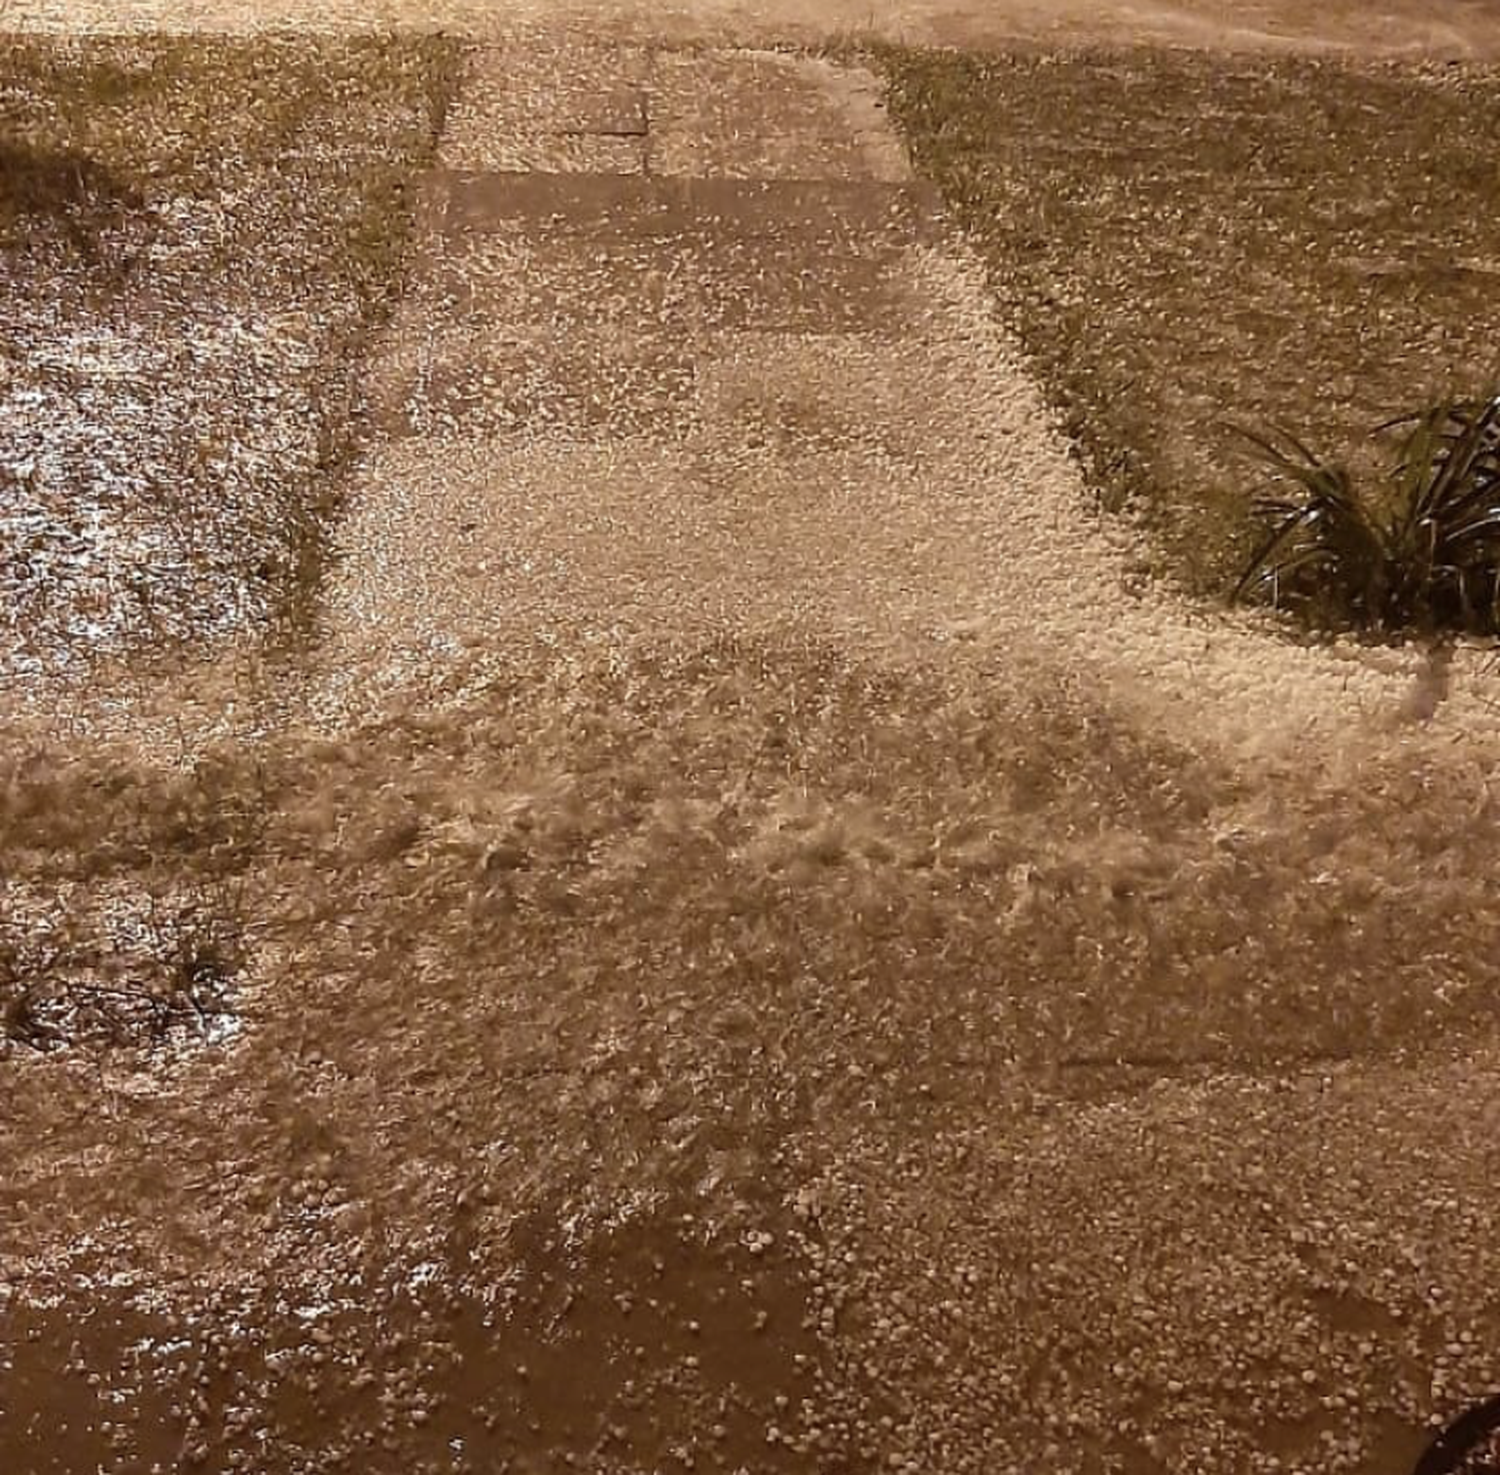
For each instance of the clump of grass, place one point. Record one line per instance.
(124, 914)
(1420, 553)
(138, 975)
(47, 193)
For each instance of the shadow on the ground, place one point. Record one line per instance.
(50, 196)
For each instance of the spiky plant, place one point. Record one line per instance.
(1422, 554)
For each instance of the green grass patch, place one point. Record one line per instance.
(197, 238)
(1184, 240)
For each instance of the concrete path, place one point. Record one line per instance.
(1123, 1099)
(688, 352)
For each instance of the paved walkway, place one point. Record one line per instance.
(687, 352)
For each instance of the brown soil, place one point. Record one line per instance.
(64, 194)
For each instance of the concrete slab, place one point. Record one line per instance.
(712, 383)
(551, 88)
(768, 115)
(551, 109)
(529, 379)
(797, 393)
(556, 153)
(633, 535)
(778, 285)
(608, 207)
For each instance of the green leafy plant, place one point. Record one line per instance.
(1421, 553)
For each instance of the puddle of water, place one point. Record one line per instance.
(89, 1385)
(648, 1347)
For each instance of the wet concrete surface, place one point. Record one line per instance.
(652, 1344)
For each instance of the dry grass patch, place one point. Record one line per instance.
(196, 238)
(1182, 238)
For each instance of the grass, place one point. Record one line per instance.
(130, 975)
(197, 237)
(1182, 238)
(126, 922)
(50, 197)
(321, 135)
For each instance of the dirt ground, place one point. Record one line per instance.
(752, 942)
